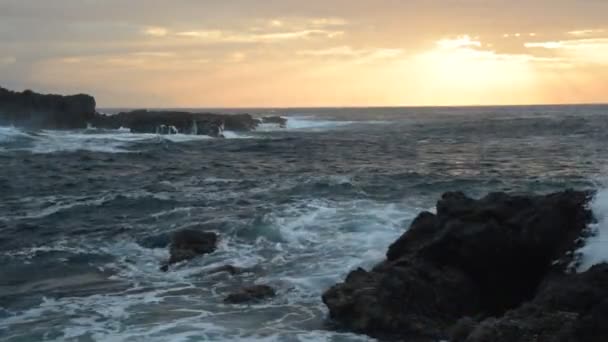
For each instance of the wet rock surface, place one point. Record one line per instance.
(190, 243)
(493, 259)
(250, 294)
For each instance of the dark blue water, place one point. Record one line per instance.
(302, 206)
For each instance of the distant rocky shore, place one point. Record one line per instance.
(37, 111)
(496, 269)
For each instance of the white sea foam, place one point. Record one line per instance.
(8, 134)
(312, 123)
(91, 139)
(116, 141)
(235, 135)
(595, 250)
(319, 242)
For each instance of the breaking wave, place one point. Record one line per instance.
(595, 250)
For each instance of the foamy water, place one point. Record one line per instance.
(595, 250)
(296, 207)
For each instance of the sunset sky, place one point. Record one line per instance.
(287, 53)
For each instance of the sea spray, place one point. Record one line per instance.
(595, 250)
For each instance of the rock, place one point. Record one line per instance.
(250, 294)
(476, 258)
(279, 120)
(189, 243)
(172, 122)
(567, 308)
(37, 111)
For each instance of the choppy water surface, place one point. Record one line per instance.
(302, 206)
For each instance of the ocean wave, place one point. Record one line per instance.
(93, 140)
(10, 134)
(44, 206)
(294, 248)
(312, 123)
(595, 250)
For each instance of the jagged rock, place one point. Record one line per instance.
(171, 122)
(36, 111)
(250, 294)
(31, 110)
(567, 308)
(189, 243)
(477, 258)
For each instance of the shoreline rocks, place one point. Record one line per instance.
(37, 111)
(31, 110)
(486, 259)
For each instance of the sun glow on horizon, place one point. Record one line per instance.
(207, 55)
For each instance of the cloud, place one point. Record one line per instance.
(160, 54)
(581, 33)
(325, 22)
(588, 50)
(236, 57)
(156, 31)
(544, 45)
(5, 61)
(219, 36)
(458, 42)
(357, 55)
(275, 23)
(71, 60)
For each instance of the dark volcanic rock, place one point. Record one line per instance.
(170, 122)
(37, 111)
(567, 308)
(189, 243)
(250, 294)
(478, 258)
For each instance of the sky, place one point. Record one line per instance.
(308, 53)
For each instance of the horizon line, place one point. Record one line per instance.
(363, 107)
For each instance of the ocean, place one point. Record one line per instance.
(301, 206)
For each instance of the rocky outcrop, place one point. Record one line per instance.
(567, 308)
(188, 244)
(250, 294)
(170, 122)
(37, 111)
(474, 258)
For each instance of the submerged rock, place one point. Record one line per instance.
(189, 243)
(476, 258)
(250, 294)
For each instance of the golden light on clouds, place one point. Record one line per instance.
(414, 53)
